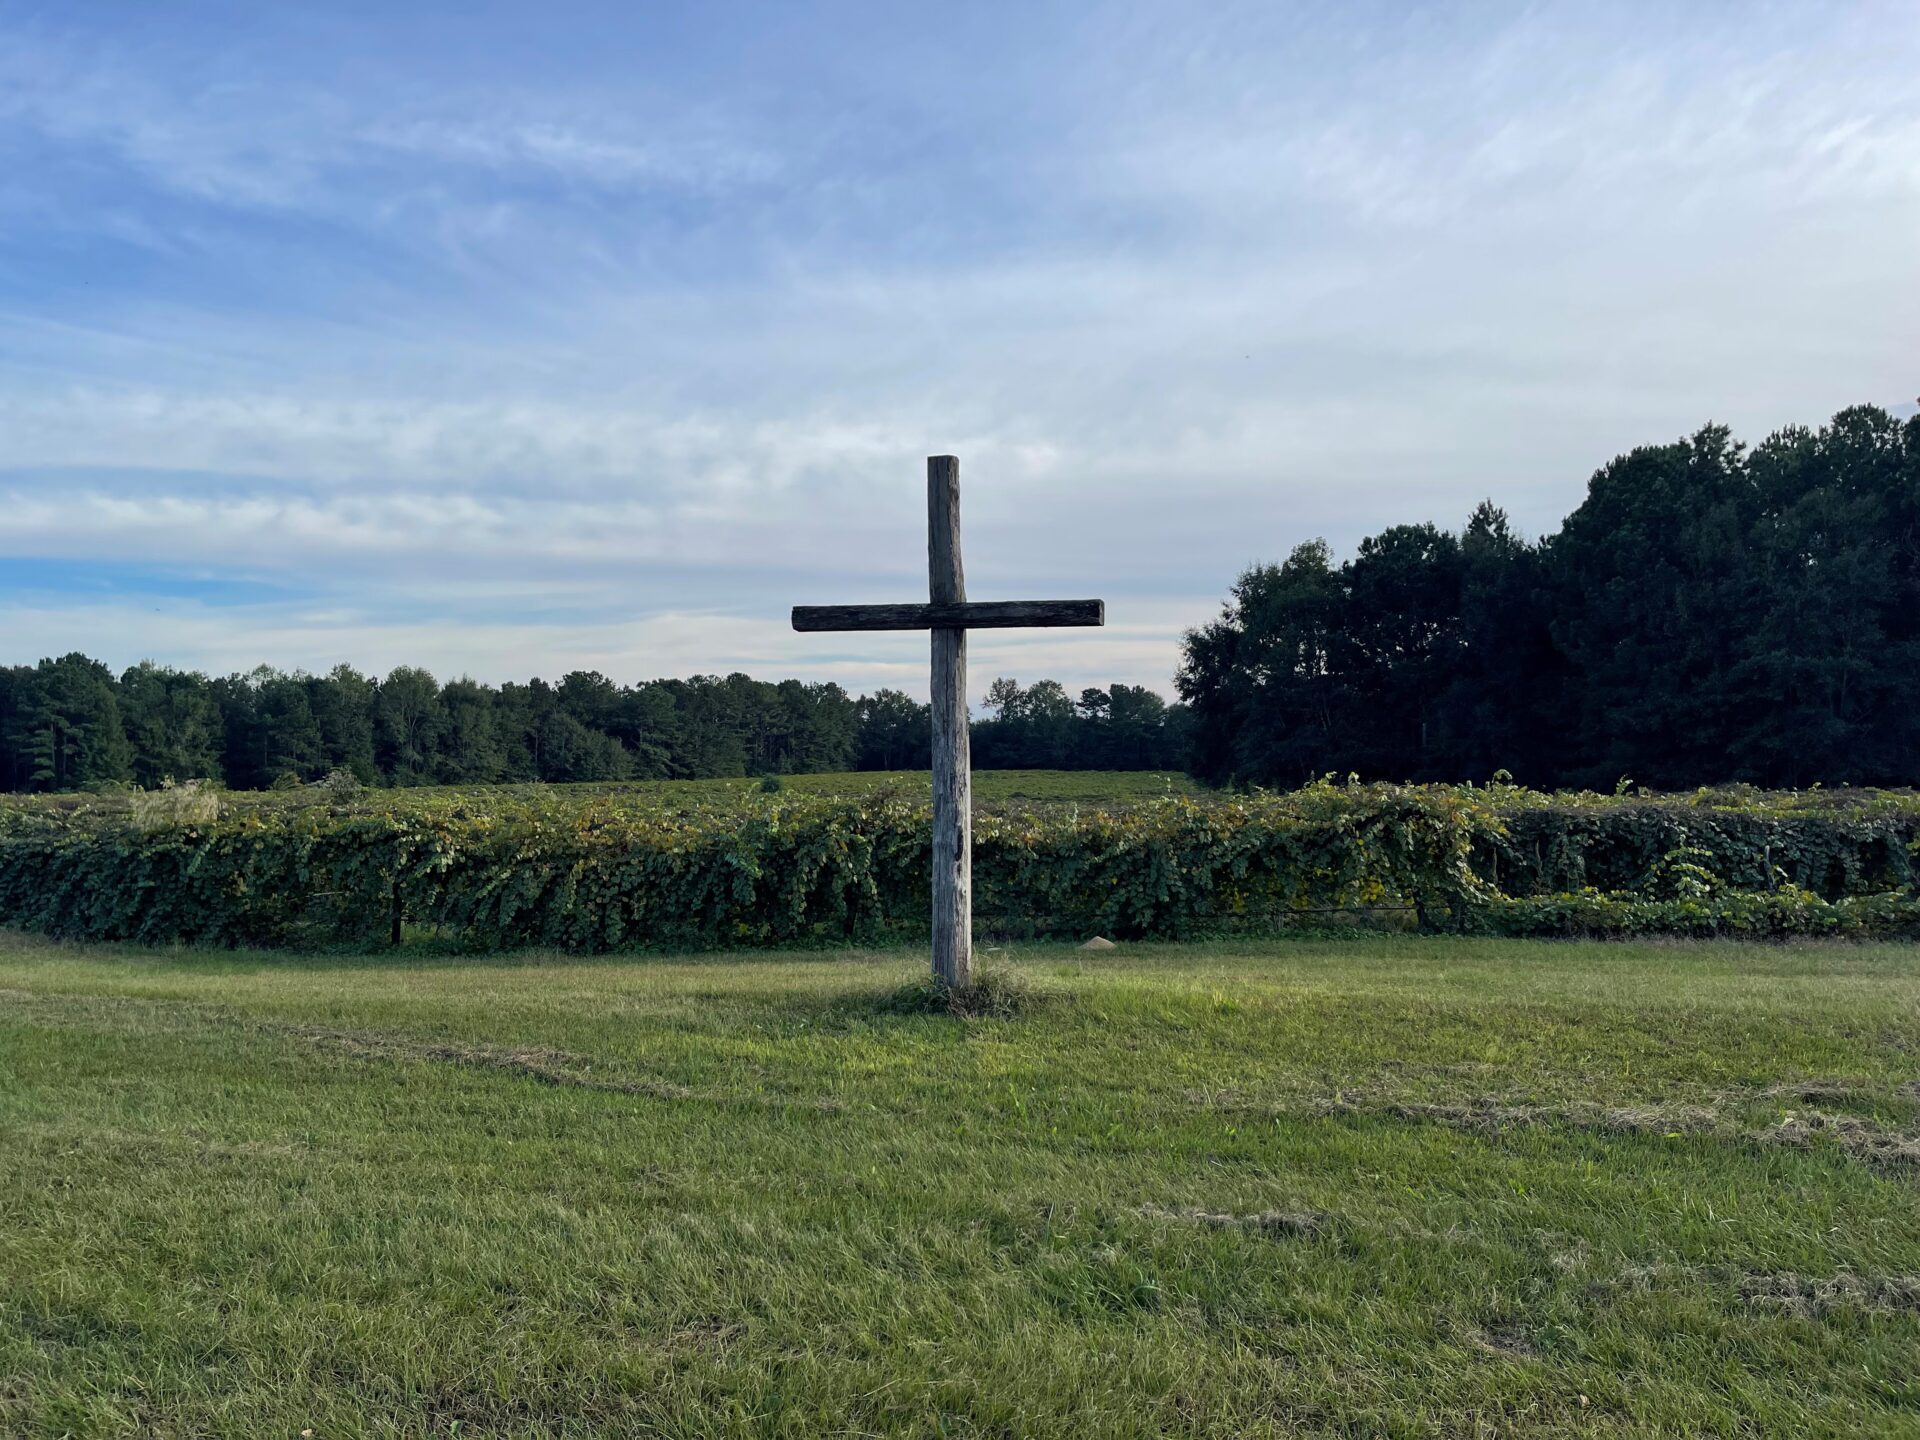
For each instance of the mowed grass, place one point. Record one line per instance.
(1110, 787)
(990, 788)
(1379, 1187)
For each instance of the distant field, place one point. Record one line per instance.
(989, 786)
(1112, 787)
(1399, 1187)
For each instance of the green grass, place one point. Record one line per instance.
(1117, 787)
(1394, 1187)
(990, 787)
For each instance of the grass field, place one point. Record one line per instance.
(1395, 1187)
(990, 788)
(1115, 787)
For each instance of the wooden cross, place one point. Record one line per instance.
(949, 616)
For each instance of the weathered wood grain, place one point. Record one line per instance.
(952, 759)
(962, 615)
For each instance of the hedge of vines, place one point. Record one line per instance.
(595, 872)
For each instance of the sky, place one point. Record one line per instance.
(513, 339)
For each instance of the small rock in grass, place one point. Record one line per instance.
(1099, 942)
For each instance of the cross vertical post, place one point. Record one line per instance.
(952, 760)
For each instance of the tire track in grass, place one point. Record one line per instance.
(546, 1066)
(1859, 1138)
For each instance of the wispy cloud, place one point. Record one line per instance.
(674, 156)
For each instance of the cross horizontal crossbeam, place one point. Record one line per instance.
(960, 615)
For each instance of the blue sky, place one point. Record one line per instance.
(514, 339)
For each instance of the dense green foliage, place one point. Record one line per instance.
(609, 867)
(1377, 1187)
(1709, 614)
(70, 724)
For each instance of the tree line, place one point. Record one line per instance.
(1709, 613)
(71, 724)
